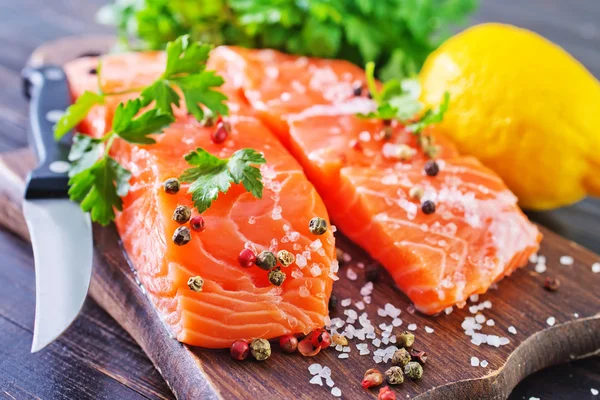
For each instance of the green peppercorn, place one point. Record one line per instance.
(195, 283)
(405, 339)
(266, 260)
(260, 349)
(394, 376)
(182, 235)
(285, 257)
(413, 370)
(416, 192)
(401, 357)
(182, 214)
(171, 185)
(276, 277)
(317, 226)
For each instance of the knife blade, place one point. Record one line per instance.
(61, 233)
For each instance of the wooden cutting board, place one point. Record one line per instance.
(519, 301)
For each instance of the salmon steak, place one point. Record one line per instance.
(235, 303)
(477, 234)
(301, 114)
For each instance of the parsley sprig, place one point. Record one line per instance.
(399, 100)
(97, 180)
(210, 175)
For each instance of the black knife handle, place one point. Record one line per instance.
(49, 95)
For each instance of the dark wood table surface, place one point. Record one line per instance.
(96, 358)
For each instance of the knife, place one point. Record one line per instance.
(61, 233)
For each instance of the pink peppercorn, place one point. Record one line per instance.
(246, 258)
(220, 134)
(288, 343)
(197, 223)
(239, 350)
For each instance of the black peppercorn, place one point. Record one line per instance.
(182, 235)
(317, 226)
(428, 207)
(93, 71)
(182, 214)
(171, 185)
(266, 260)
(432, 168)
(357, 89)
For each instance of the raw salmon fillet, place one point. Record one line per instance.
(235, 303)
(477, 235)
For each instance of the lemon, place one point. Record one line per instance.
(522, 105)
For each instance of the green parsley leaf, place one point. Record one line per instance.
(211, 175)
(186, 57)
(76, 113)
(136, 130)
(431, 116)
(163, 94)
(99, 189)
(198, 89)
(84, 153)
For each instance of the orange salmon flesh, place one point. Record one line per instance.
(300, 113)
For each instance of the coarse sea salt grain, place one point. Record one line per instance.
(551, 321)
(480, 318)
(594, 391)
(316, 380)
(576, 315)
(473, 309)
(336, 392)
(484, 363)
(396, 322)
(314, 368)
(448, 310)
(344, 355)
(412, 327)
(329, 382)
(350, 274)
(346, 302)
(490, 322)
(540, 268)
(596, 267)
(566, 260)
(428, 329)
(512, 330)
(474, 298)
(534, 398)
(474, 361)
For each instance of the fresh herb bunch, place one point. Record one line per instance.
(396, 34)
(97, 180)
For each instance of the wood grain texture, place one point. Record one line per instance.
(520, 301)
(25, 24)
